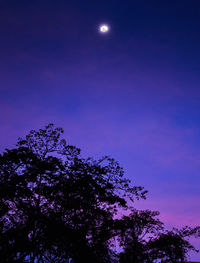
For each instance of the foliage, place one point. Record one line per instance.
(56, 205)
(145, 240)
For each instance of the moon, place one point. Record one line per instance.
(104, 28)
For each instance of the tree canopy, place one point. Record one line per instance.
(56, 205)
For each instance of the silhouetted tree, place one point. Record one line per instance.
(56, 204)
(137, 230)
(172, 246)
(145, 240)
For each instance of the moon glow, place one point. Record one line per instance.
(104, 28)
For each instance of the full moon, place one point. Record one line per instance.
(104, 28)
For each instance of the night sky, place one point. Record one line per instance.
(133, 93)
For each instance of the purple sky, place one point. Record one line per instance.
(133, 93)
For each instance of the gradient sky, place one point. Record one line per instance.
(133, 94)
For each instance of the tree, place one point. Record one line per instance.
(172, 245)
(56, 204)
(145, 239)
(137, 230)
